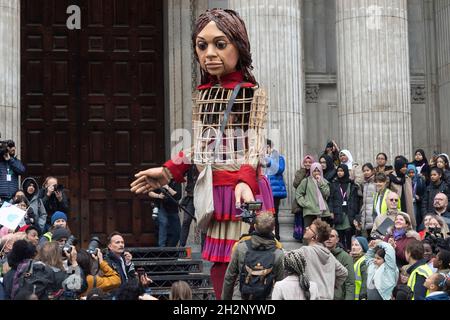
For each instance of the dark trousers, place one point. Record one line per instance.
(188, 203)
(276, 203)
(345, 237)
(169, 228)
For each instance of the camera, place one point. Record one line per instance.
(58, 187)
(69, 243)
(94, 244)
(249, 209)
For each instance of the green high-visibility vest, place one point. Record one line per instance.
(423, 270)
(358, 276)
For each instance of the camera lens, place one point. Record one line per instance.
(94, 244)
(69, 243)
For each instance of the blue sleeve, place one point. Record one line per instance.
(281, 165)
(419, 289)
(17, 166)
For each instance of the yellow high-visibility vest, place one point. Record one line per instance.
(423, 270)
(358, 276)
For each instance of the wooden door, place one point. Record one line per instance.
(92, 108)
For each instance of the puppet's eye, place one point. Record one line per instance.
(202, 45)
(221, 44)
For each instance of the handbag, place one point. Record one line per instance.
(203, 189)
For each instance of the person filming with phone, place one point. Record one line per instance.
(54, 198)
(10, 170)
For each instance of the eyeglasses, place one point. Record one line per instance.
(309, 228)
(393, 200)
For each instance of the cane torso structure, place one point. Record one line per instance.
(243, 139)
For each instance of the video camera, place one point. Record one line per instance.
(249, 209)
(94, 244)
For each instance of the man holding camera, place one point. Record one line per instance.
(10, 170)
(53, 198)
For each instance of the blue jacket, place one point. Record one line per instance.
(275, 166)
(438, 296)
(16, 169)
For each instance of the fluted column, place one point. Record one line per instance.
(10, 71)
(443, 53)
(275, 31)
(373, 78)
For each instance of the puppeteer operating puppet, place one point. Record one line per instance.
(229, 116)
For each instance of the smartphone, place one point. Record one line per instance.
(59, 188)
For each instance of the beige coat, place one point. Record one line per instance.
(407, 187)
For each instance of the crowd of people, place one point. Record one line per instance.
(375, 232)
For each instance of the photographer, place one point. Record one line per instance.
(168, 218)
(10, 170)
(106, 278)
(54, 198)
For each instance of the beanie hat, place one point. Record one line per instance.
(363, 243)
(60, 233)
(58, 215)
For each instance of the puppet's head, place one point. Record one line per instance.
(228, 22)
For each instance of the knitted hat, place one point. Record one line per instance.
(58, 215)
(363, 243)
(60, 233)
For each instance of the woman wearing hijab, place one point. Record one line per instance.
(301, 174)
(296, 286)
(354, 168)
(442, 163)
(329, 171)
(421, 164)
(312, 194)
(343, 204)
(401, 184)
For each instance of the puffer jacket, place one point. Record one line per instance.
(15, 167)
(275, 166)
(36, 204)
(230, 289)
(366, 212)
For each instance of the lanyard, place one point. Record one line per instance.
(344, 194)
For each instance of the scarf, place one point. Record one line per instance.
(398, 234)
(322, 205)
(349, 163)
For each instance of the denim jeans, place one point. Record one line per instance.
(169, 228)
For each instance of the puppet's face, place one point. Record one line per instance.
(217, 55)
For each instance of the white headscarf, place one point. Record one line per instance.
(349, 163)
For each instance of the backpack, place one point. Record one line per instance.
(33, 277)
(257, 279)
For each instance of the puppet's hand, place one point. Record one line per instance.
(243, 194)
(149, 180)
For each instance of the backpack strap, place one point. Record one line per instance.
(95, 281)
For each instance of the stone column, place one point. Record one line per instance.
(443, 53)
(373, 78)
(10, 71)
(276, 36)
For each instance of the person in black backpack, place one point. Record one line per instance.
(256, 263)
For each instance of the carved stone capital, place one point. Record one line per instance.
(312, 93)
(418, 94)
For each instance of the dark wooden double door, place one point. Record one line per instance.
(92, 108)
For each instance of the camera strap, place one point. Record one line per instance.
(226, 116)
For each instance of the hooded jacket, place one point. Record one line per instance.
(36, 204)
(385, 276)
(347, 290)
(230, 290)
(324, 269)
